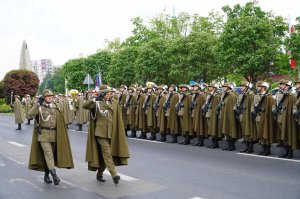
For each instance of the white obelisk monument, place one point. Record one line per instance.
(25, 63)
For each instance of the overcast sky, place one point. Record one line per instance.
(64, 29)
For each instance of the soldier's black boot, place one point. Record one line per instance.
(19, 127)
(246, 148)
(227, 145)
(212, 142)
(46, 177)
(198, 138)
(201, 143)
(28, 122)
(215, 144)
(79, 127)
(100, 178)
(231, 145)
(263, 148)
(153, 136)
(173, 139)
(187, 140)
(268, 150)
(285, 154)
(116, 179)
(133, 134)
(54, 176)
(290, 153)
(143, 135)
(250, 148)
(163, 137)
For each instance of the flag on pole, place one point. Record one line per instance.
(98, 81)
(293, 63)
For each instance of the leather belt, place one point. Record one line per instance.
(48, 128)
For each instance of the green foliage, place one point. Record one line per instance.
(4, 108)
(293, 43)
(2, 101)
(55, 82)
(1, 90)
(21, 82)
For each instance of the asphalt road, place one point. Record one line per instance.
(156, 170)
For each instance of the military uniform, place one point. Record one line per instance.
(172, 117)
(149, 112)
(140, 117)
(80, 112)
(160, 114)
(19, 113)
(122, 100)
(106, 143)
(296, 107)
(129, 108)
(28, 104)
(51, 136)
(243, 114)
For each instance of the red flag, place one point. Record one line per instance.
(293, 63)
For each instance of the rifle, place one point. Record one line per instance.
(193, 104)
(127, 103)
(206, 106)
(221, 103)
(156, 105)
(240, 107)
(146, 104)
(258, 108)
(167, 104)
(120, 98)
(279, 107)
(180, 104)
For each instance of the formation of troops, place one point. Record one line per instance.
(198, 111)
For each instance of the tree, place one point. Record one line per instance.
(55, 82)
(293, 43)
(21, 82)
(251, 40)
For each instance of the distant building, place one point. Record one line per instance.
(25, 63)
(42, 67)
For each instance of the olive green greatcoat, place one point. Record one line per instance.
(19, 112)
(80, 112)
(130, 113)
(247, 122)
(63, 154)
(213, 119)
(161, 118)
(185, 116)
(66, 111)
(28, 105)
(172, 117)
(150, 116)
(122, 101)
(118, 142)
(296, 107)
(265, 122)
(140, 117)
(228, 122)
(289, 134)
(199, 121)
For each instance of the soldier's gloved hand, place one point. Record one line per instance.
(40, 100)
(99, 97)
(296, 115)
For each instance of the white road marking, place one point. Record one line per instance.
(68, 183)
(16, 144)
(123, 177)
(291, 160)
(196, 198)
(2, 164)
(16, 161)
(144, 140)
(25, 181)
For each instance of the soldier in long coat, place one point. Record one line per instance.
(129, 107)
(242, 111)
(28, 104)
(106, 142)
(19, 113)
(122, 100)
(283, 113)
(199, 123)
(149, 112)
(228, 123)
(296, 108)
(261, 111)
(160, 113)
(182, 109)
(210, 113)
(80, 112)
(172, 118)
(50, 145)
(140, 117)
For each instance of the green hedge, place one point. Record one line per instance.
(4, 108)
(2, 101)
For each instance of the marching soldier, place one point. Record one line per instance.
(18, 110)
(106, 143)
(242, 112)
(172, 118)
(210, 113)
(130, 111)
(182, 110)
(50, 145)
(228, 123)
(140, 117)
(148, 111)
(261, 111)
(283, 113)
(28, 104)
(296, 108)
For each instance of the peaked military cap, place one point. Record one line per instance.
(47, 92)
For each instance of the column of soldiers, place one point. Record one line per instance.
(204, 111)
